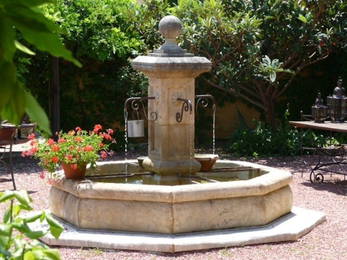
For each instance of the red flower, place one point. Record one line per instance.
(97, 128)
(78, 139)
(50, 141)
(55, 159)
(109, 131)
(88, 148)
(33, 150)
(78, 129)
(103, 155)
(31, 136)
(55, 148)
(101, 145)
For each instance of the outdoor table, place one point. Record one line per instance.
(324, 167)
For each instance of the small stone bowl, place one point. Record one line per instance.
(140, 160)
(206, 160)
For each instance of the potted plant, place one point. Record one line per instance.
(73, 150)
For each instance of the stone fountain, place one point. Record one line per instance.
(162, 217)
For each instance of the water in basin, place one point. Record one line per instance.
(143, 178)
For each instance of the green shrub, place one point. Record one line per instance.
(284, 140)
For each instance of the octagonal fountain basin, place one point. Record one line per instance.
(233, 194)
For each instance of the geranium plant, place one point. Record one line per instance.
(77, 147)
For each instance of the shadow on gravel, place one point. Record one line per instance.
(337, 187)
(22, 165)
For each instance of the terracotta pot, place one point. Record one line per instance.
(206, 160)
(74, 171)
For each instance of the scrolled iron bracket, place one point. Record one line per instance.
(135, 103)
(186, 106)
(204, 101)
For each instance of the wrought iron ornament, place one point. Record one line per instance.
(186, 106)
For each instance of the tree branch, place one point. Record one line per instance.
(300, 68)
(233, 92)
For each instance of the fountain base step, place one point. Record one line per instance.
(290, 227)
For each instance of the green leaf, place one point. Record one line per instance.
(14, 109)
(23, 48)
(302, 18)
(7, 47)
(23, 198)
(39, 31)
(47, 254)
(5, 229)
(6, 195)
(33, 217)
(272, 76)
(55, 228)
(34, 234)
(36, 113)
(8, 78)
(29, 255)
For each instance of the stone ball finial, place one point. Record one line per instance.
(170, 27)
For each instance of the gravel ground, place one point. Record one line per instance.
(327, 241)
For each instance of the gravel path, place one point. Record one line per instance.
(327, 241)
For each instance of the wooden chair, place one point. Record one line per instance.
(7, 135)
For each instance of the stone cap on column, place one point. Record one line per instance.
(170, 57)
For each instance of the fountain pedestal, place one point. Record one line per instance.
(171, 72)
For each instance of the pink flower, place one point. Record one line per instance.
(78, 129)
(110, 131)
(29, 152)
(42, 175)
(103, 155)
(31, 136)
(107, 136)
(69, 157)
(61, 140)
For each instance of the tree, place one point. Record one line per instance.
(258, 47)
(25, 18)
